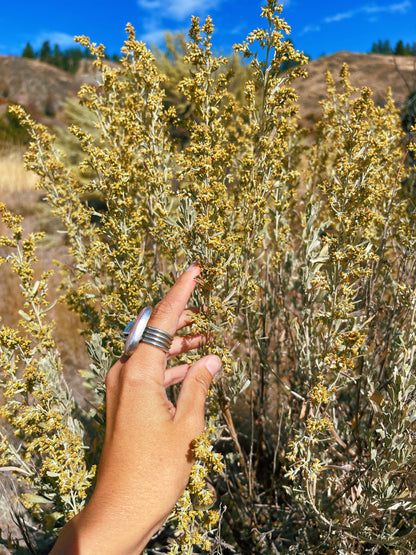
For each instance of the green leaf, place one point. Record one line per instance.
(24, 315)
(38, 499)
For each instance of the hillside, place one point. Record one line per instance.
(371, 70)
(42, 88)
(39, 87)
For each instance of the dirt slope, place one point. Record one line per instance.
(42, 88)
(372, 70)
(39, 87)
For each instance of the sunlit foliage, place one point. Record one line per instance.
(307, 248)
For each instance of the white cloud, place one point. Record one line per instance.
(154, 30)
(237, 30)
(55, 37)
(176, 9)
(154, 36)
(341, 16)
(157, 16)
(310, 29)
(401, 7)
(371, 9)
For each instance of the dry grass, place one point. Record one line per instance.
(18, 192)
(13, 177)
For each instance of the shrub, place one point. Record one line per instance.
(307, 247)
(11, 132)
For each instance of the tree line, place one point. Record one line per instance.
(68, 59)
(401, 49)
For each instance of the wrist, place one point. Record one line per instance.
(85, 535)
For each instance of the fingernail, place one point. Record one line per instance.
(193, 266)
(213, 364)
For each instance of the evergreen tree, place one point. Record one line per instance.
(377, 47)
(68, 60)
(86, 54)
(46, 52)
(28, 51)
(381, 47)
(400, 49)
(386, 48)
(73, 57)
(58, 59)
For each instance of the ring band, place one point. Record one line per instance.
(138, 331)
(134, 330)
(157, 338)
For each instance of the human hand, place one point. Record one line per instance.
(147, 455)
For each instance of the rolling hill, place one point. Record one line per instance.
(42, 89)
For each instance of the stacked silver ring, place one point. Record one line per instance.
(138, 331)
(158, 338)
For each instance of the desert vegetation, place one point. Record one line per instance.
(307, 247)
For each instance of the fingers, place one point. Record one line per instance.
(166, 316)
(175, 375)
(183, 343)
(191, 401)
(168, 311)
(186, 318)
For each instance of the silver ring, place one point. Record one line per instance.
(137, 331)
(157, 338)
(134, 330)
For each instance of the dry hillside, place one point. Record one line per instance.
(367, 70)
(42, 89)
(39, 87)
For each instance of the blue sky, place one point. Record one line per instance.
(318, 27)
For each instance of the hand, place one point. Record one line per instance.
(147, 456)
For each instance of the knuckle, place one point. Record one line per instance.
(202, 379)
(163, 309)
(130, 377)
(111, 379)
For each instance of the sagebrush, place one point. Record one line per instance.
(307, 248)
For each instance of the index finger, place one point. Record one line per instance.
(165, 316)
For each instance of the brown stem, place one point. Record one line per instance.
(225, 408)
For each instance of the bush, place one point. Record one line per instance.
(307, 247)
(11, 132)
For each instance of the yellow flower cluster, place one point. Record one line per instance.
(319, 394)
(50, 457)
(307, 248)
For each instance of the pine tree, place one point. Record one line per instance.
(58, 57)
(74, 57)
(400, 49)
(386, 47)
(45, 52)
(377, 47)
(28, 51)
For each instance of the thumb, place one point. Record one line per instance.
(191, 401)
